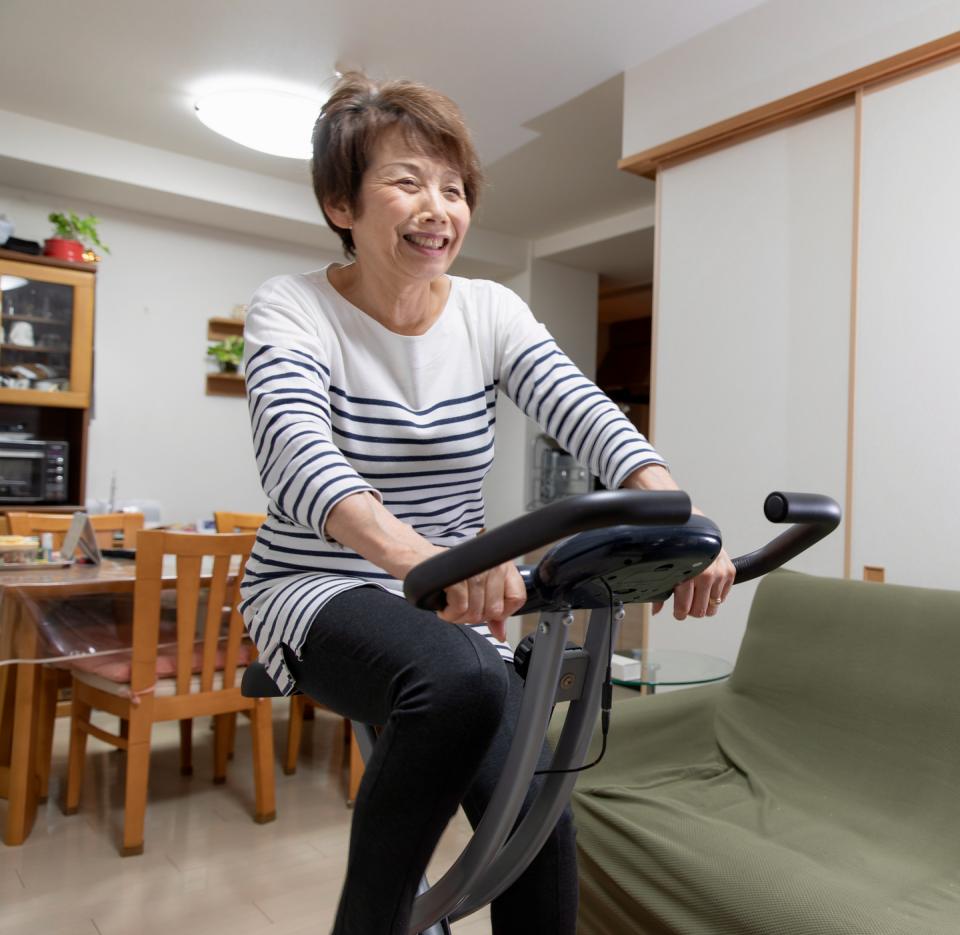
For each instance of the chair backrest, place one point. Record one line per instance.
(189, 550)
(104, 524)
(239, 522)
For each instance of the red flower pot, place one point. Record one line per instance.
(64, 249)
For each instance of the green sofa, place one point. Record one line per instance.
(817, 792)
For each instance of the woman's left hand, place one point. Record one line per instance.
(700, 596)
(703, 595)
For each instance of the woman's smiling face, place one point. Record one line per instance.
(413, 214)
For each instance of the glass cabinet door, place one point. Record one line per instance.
(46, 333)
(36, 334)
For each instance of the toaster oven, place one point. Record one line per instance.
(33, 471)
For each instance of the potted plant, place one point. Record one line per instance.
(75, 238)
(229, 353)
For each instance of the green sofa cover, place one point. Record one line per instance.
(817, 792)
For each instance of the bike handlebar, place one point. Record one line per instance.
(425, 584)
(816, 516)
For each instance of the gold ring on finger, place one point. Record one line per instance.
(716, 600)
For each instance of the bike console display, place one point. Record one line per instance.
(639, 564)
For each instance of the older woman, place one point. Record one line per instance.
(372, 391)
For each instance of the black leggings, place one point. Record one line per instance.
(448, 705)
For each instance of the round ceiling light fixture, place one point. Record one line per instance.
(269, 121)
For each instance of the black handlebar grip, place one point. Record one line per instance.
(802, 508)
(815, 516)
(425, 584)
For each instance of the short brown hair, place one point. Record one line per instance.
(354, 118)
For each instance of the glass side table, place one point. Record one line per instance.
(674, 667)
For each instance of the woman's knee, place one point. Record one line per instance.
(467, 682)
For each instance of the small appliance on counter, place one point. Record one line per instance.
(31, 470)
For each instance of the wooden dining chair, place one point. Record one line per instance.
(104, 524)
(200, 677)
(238, 522)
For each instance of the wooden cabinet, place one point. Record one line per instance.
(47, 328)
(46, 354)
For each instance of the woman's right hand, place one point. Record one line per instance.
(488, 598)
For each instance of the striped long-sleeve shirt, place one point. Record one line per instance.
(339, 404)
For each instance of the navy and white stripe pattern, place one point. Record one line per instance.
(339, 404)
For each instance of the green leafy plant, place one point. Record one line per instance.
(73, 227)
(229, 352)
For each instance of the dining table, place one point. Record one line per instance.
(23, 650)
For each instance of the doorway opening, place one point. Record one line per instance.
(624, 318)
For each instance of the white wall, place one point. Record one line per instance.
(752, 343)
(776, 49)
(906, 492)
(153, 423)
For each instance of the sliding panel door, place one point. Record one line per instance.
(906, 477)
(753, 342)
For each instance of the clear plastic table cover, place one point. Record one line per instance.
(675, 667)
(87, 610)
(99, 624)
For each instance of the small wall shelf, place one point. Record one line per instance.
(226, 384)
(220, 328)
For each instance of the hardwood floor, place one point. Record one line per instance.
(207, 869)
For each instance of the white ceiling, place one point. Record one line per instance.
(133, 70)
(567, 176)
(626, 260)
(540, 82)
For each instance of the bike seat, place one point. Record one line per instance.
(256, 682)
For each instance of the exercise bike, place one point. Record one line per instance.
(623, 546)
